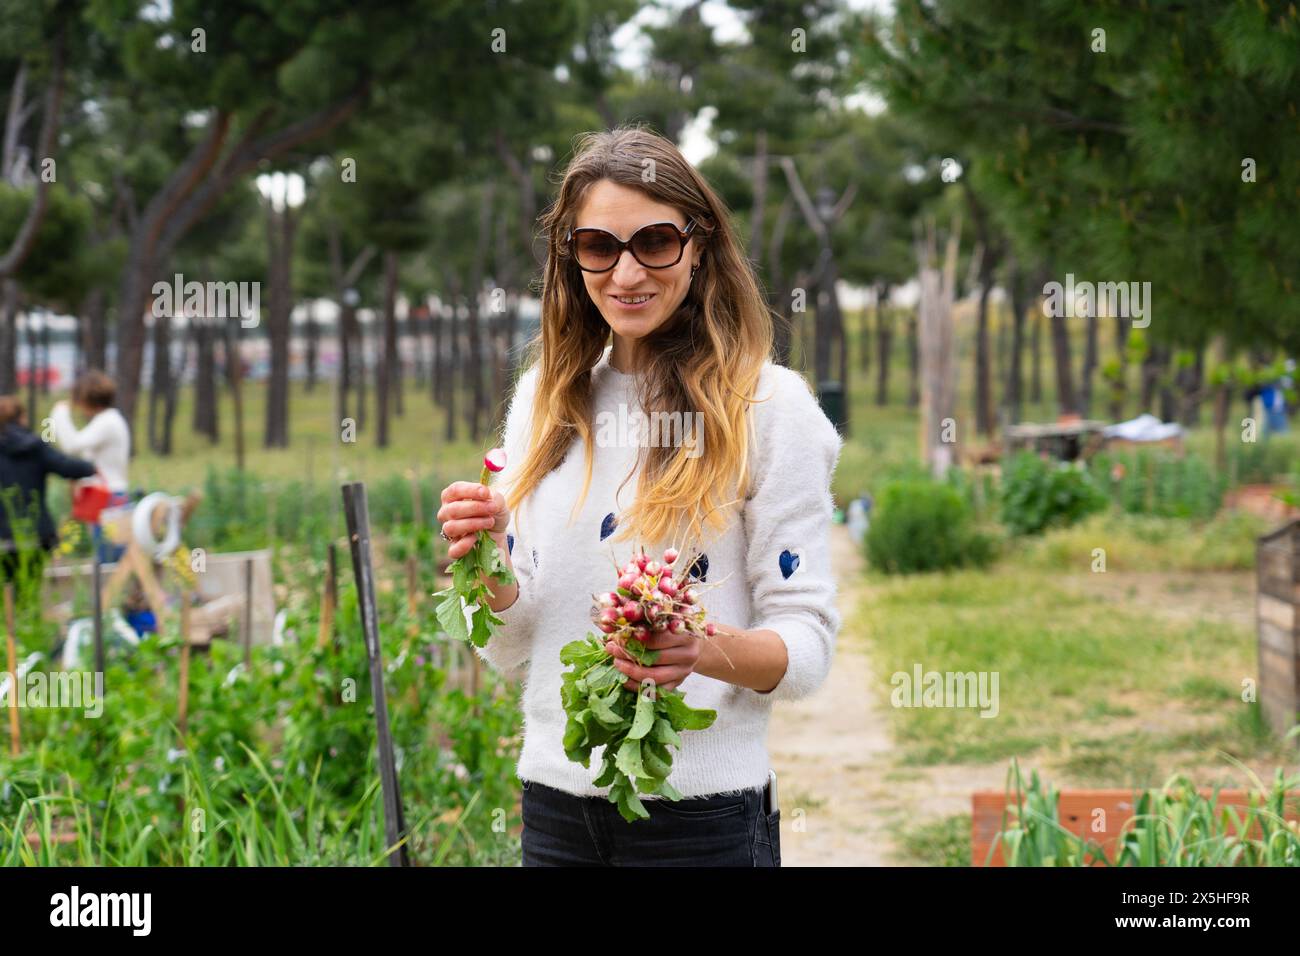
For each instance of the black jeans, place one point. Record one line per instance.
(561, 829)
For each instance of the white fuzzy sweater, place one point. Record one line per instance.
(774, 559)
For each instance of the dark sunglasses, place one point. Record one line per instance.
(656, 246)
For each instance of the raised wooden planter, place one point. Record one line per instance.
(1076, 811)
(1277, 563)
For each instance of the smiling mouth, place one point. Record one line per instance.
(634, 299)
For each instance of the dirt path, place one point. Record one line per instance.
(832, 750)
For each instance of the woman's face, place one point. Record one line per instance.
(622, 211)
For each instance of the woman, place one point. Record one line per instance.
(651, 264)
(106, 440)
(25, 461)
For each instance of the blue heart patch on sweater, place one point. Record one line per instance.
(607, 526)
(789, 563)
(700, 568)
(510, 543)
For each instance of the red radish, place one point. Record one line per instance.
(627, 582)
(631, 613)
(495, 460)
(668, 586)
(670, 556)
(710, 629)
(641, 561)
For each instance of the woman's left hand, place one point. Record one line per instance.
(678, 655)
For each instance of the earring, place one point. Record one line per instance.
(694, 269)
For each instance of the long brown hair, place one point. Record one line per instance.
(706, 357)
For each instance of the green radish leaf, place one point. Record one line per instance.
(656, 766)
(664, 733)
(452, 618)
(645, 717)
(630, 806)
(685, 717)
(628, 759)
(604, 713)
(607, 773)
(669, 791)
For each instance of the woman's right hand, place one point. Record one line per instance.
(468, 508)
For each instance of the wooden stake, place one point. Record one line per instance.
(326, 634)
(185, 666)
(358, 517)
(12, 652)
(97, 605)
(412, 592)
(248, 613)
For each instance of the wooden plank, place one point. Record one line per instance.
(1276, 570)
(1077, 813)
(1279, 695)
(1277, 612)
(1275, 638)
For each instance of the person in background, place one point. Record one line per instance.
(25, 461)
(859, 517)
(106, 441)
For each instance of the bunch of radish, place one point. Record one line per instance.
(636, 728)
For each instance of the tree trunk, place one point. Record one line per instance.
(93, 328)
(884, 349)
(235, 376)
(778, 291)
(1119, 389)
(983, 382)
(1089, 366)
(280, 226)
(1190, 380)
(313, 346)
(1222, 394)
(1036, 356)
(160, 381)
(1013, 400)
(453, 356)
(913, 363)
(437, 386)
(1067, 399)
(205, 381)
(8, 336)
(388, 352)
(33, 415)
(1150, 376)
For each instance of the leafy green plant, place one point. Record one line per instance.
(1039, 494)
(1176, 825)
(924, 525)
(1159, 483)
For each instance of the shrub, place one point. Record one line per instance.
(1039, 494)
(923, 525)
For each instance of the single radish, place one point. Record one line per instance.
(493, 462)
(670, 556)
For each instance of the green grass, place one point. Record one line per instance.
(942, 842)
(1069, 661)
